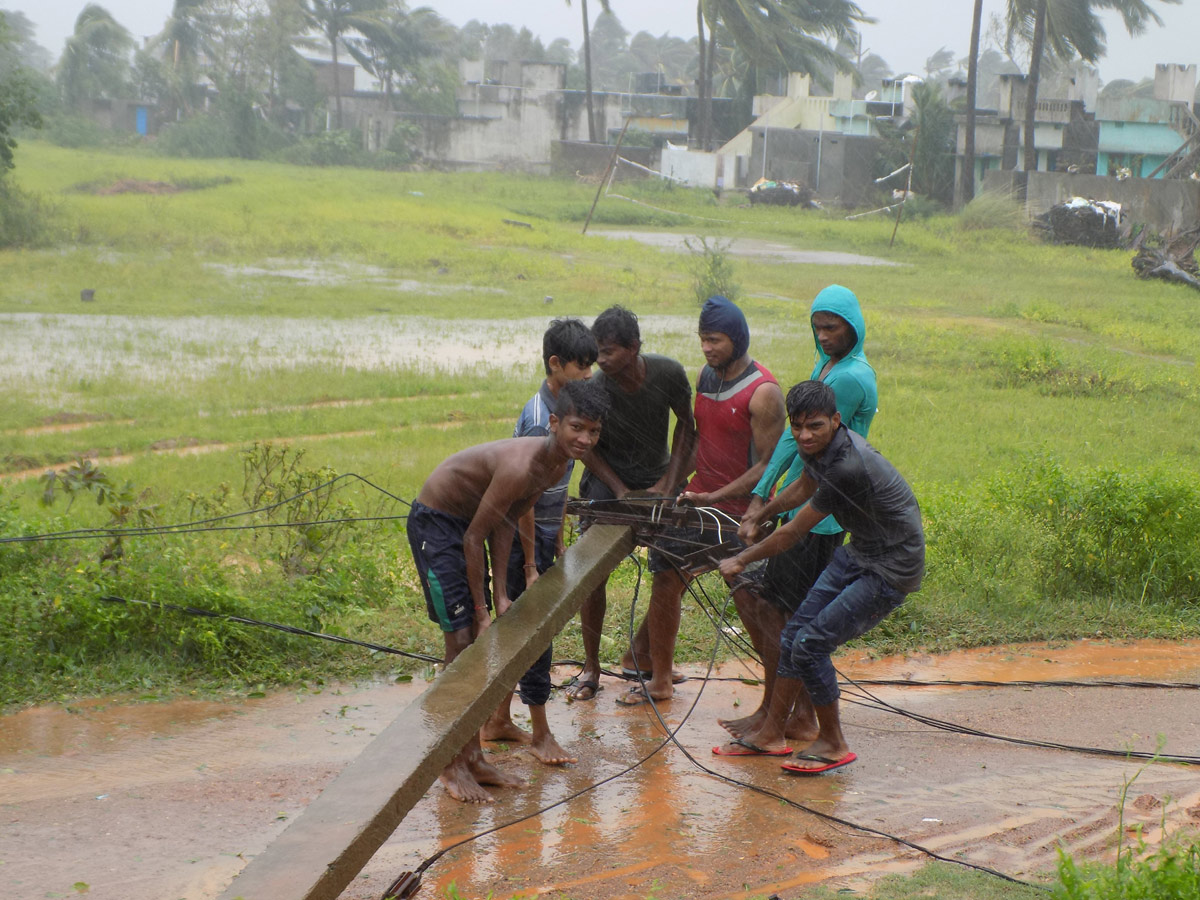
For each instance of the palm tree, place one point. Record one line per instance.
(787, 35)
(1067, 28)
(333, 18)
(587, 66)
(183, 39)
(399, 42)
(95, 60)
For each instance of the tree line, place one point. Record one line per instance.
(242, 68)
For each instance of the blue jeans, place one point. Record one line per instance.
(845, 602)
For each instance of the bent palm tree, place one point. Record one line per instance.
(333, 18)
(785, 34)
(95, 60)
(1067, 28)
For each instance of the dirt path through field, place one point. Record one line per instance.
(156, 801)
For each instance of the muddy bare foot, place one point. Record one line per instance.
(548, 750)
(746, 724)
(504, 729)
(459, 783)
(485, 773)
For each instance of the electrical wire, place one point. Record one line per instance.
(943, 725)
(828, 817)
(288, 629)
(209, 524)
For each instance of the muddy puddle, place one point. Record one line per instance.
(751, 248)
(163, 800)
(158, 349)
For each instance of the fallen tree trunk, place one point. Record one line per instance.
(1168, 258)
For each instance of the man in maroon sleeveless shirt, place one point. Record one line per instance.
(739, 418)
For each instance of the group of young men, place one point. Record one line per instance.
(800, 590)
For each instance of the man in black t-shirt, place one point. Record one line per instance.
(883, 563)
(633, 454)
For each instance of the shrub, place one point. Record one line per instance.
(712, 269)
(24, 218)
(328, 148)
(76, 131)
(202, 136)
(1109, 531)
(993, 209)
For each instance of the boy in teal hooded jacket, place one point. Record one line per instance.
(839, 333)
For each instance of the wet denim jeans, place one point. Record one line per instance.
(845, 602)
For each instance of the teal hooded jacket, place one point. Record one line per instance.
(853, 383)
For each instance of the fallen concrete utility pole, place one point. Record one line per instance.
(322, 851)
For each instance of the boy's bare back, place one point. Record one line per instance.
(513, 472)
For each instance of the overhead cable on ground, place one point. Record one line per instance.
(288, 629)
(210, 524)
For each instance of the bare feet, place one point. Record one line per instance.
(461, 784)
(802, 729)
(547, 749)
(502, 728)
(746, 724)
(485, 773)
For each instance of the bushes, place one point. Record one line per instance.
(1003, 552)
(344, 148)
(25, 219)
(992, 209)
(1110, 532)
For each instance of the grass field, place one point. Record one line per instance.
(1041, 400)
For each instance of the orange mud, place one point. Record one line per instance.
(145, 801)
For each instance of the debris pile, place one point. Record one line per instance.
(1169, 258)
(783, 193)
(1085, 223)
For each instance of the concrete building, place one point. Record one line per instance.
(1155, 137)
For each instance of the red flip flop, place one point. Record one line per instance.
(829, 764)
(749, 749)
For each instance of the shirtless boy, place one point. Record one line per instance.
(568, 352)
(476, 496)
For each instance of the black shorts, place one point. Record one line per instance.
(791, 574)
(436, 539)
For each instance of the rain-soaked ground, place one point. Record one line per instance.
(155, 801)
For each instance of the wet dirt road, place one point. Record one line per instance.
(161, 801)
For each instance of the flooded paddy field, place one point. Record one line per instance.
(145, 801)
(40, 348)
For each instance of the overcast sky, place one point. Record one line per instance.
(907, 32)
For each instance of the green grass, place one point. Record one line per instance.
(1009, 372)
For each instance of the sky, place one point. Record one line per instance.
(906, 34)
